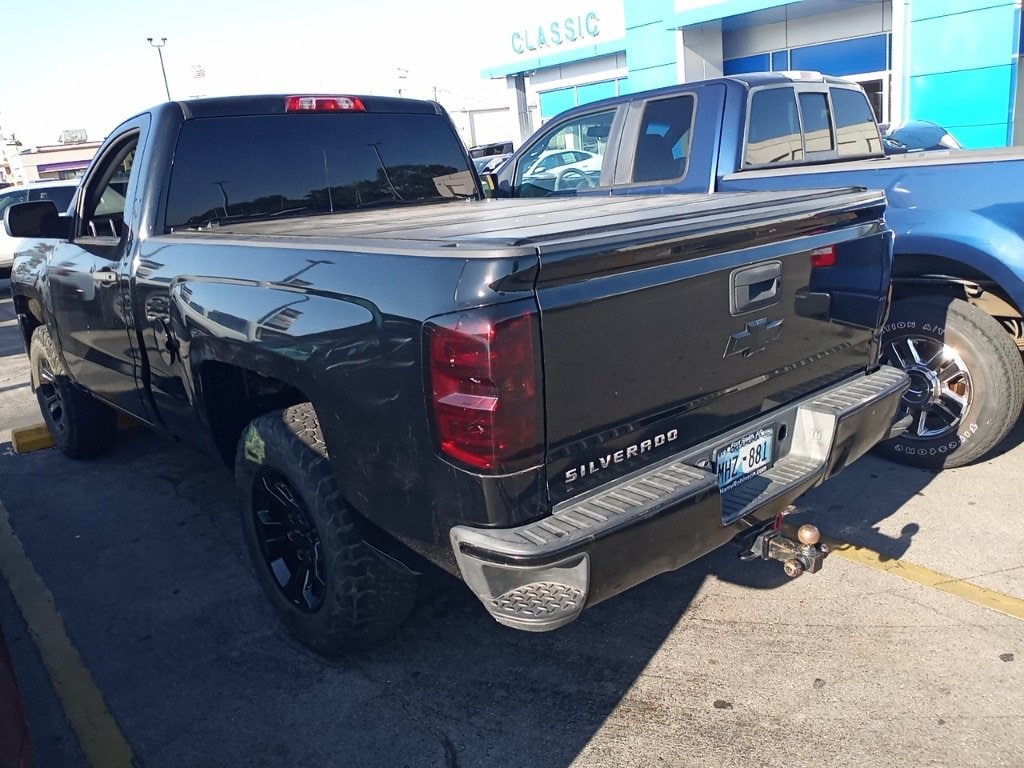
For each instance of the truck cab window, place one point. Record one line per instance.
(566, 158)
(816, 121)
(664, 142)
(856, 129)
(773, 134)
(106, 192)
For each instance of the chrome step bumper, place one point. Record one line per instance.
(541, 575)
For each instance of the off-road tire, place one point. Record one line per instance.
(363, 597)
(963, 404)
(81, 426)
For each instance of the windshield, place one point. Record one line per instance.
(253, 167)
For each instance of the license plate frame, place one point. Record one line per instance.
(747, 456)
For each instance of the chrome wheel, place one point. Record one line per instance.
(941, 389)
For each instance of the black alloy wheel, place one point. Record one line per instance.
(333, 590)
(289, 541)
(81, 425)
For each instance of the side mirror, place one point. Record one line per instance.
(39, 218)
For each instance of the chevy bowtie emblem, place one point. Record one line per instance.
(754, 338)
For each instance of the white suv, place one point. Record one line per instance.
(61, 192)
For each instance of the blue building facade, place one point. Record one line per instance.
(955, 62)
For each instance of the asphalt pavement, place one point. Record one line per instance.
(141, 638)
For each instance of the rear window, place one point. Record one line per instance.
(856, 129)
(773, 135)
(817, 125)
(61, 196)
(233, 168)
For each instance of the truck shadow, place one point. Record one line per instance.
(454, 686)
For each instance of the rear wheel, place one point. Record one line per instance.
(967, 381)
(327, 584)
(81, 426)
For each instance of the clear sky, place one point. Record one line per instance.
(72, 65)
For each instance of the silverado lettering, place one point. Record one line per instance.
(629, 452)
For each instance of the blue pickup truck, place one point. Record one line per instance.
(956, 322)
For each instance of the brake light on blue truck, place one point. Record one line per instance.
(823, 257)
(484, 380)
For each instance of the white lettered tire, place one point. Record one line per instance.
(967, 381)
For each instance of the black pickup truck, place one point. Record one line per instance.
(554, 400)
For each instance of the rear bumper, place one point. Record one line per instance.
(541, 575)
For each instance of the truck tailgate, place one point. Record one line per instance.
(656, 339)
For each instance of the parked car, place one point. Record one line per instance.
(916, 136)
(60, 192)
(489, 150)
(490, 163)
(564, 169)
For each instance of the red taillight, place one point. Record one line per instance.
(823, 257)
(484, 376)
(323, 104)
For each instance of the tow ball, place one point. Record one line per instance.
(803, 555)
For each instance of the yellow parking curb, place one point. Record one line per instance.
(38, 437)
(28, 439)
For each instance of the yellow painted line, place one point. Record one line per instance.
(38, 438)
(986, 598)
(103, 744)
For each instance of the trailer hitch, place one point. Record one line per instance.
(804, 554)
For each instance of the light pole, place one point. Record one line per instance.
(159, 46)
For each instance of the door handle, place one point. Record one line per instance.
(754, 287)
(105, 275)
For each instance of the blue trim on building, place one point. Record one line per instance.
(973, 102)
(961, 71)
(845, 57)
(963, 68)
(720, 10)
(555, 59)
(560, 99)
(969, 40)
(759, 62)
(651, 43)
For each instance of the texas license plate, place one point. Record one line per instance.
(744, 458)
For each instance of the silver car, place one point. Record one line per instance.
(60, 192)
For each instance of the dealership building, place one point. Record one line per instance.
(953, 62)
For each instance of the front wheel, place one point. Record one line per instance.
(81, 426)
(967, 381)
(327, 584)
